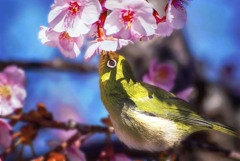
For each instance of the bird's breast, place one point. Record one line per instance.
(144, 132)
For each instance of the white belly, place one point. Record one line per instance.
(143, 132)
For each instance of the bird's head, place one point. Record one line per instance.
(113, 67)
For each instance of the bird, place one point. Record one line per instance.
(145, 117)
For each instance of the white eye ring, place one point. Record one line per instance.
(111, 63)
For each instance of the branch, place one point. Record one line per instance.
(70, 125)
(61, 147)
(56, 64)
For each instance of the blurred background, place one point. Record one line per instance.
(205, 52)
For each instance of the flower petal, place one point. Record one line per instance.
(176, 17)
(70, 47)
(56, 11)
(18, 96)
(48, 36)
(91, 12)
(164, 29)
(109, 45)
(112, 24)
(148, 27)
(116, 4)
(138, 28)
(122, 42)
(15, 75)
(59, 24)
(78, 28)
(91, 50)
(5, 108)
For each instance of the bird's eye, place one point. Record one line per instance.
(111, 63)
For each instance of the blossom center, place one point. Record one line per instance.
(5, 91)
(66, 42)
(65, 36)
(74, 7)
(161, 75)
(127, 17)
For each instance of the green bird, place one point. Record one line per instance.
(146, 117)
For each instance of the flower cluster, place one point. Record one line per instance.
(108, 24)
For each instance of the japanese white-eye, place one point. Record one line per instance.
(146, 117)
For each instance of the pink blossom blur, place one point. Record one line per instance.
(5, 136)
(161, 75)
(12, 90)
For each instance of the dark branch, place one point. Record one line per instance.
(56, 65)
(70, 125)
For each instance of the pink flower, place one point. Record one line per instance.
(130, 19)
(69, 46)
(161, 75)
(74, 16)
(5, 136)
(175, 18)
(106, 44)
(12, 91)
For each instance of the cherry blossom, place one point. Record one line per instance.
(5, 136)
(69, 46)
(175, 18)
(74, 16)
(161, 75)
(106, 44)
(12, 91)
(121, 22)
(130, 19)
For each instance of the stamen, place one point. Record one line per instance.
(65, 36)
(162, 74)
(5, 91)
(74, 7)
(128, 17)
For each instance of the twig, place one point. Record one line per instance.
(62, 146)
(70, 125)
(55, 64)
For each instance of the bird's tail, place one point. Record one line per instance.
(224, 129)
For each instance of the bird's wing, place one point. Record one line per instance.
(159, 102)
